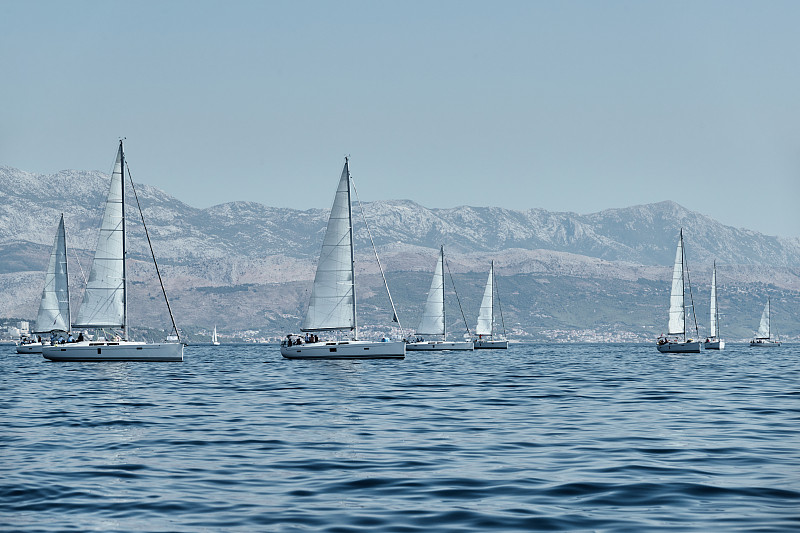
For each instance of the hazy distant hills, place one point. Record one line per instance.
(244, 265)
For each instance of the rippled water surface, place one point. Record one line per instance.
(538, 438)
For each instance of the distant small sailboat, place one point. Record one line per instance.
(713, 342)
(332, 306)
(53, 316)
(763, 336)
(485, 326)
(214, 340)
(105, 299)
(434, 317)
(675, 341)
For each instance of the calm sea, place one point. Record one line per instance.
(538, 438)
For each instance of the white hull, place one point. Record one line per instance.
(435, 346)
(714, 345)
(491, 345)
(114, 351)
(35, 347)
(215, 344)
(345, 350)
(764, 343)
(679, 347)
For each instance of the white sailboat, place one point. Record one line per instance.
(214, 340)
(675, 341)
(763, 336)
(105, 300)
(53, 314)
(332, 306)
(485, 326)
(434, 317)
(713, 342)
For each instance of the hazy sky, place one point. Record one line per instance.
(568, 105)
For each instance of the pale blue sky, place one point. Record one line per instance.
(569, 106)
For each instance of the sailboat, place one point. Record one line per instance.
(485, 326)
(53, 314)
(675, 341)
(763, 336)
(713, 342)
(214, 340)
(105, 299)
(332, 306)
(434, 318)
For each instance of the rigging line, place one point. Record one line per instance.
(77, 260)
(691, 298)
(499, 305)
(396, 318)
(452, 282)
(152, 253)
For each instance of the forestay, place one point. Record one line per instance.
(103, 303)
(54, 306)
(332, 303)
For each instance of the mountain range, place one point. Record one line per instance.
(247, 266)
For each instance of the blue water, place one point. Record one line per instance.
(538, 438)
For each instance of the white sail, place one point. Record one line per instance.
(333, 297)
(763, 327)
(714, 302)
(486, 313)
(676, 301)
(432, 322)
(54, 306)
(214, 335)
(103, 303)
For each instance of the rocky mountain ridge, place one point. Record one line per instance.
(643, 234)
(246, 264)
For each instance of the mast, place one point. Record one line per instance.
(769, 321)
(124, 251)
(66, 275)
(491, 323)
(444, 308)
(352, 253)
(714, 314)
(683, 267)
(491, 302)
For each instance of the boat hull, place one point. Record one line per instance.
(764, 344)
(714, 345)
(111, 351)
(491, 345)
(439, 346)
(679, 347)
(344, 350)
(35, 347)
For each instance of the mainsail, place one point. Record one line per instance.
(714, 301)
(486, 314)
(333, 296)
(677, 311)
(433, 319)
(103, 303)
(54, 306)
(763, 327)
